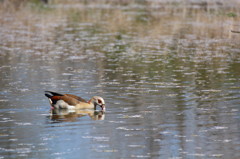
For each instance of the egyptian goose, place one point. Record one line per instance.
(69, 101)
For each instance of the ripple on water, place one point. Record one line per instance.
(169, 96)
(23, 123)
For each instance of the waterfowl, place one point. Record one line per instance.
(69, 101)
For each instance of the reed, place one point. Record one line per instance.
(145, 22)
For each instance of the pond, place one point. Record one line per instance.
(169, 75)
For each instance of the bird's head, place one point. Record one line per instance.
(99, 101)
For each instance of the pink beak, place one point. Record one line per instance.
(103, 107)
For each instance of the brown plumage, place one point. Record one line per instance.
(76, 97)
(69, 101)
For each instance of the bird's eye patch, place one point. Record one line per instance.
(99, 101)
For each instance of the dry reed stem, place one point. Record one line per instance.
(150, 22)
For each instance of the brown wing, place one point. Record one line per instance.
(65, 98)
(76, 97)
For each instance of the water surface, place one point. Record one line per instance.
(171, 92)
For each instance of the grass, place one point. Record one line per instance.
(231, 14)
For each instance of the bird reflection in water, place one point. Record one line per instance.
(66, 115)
